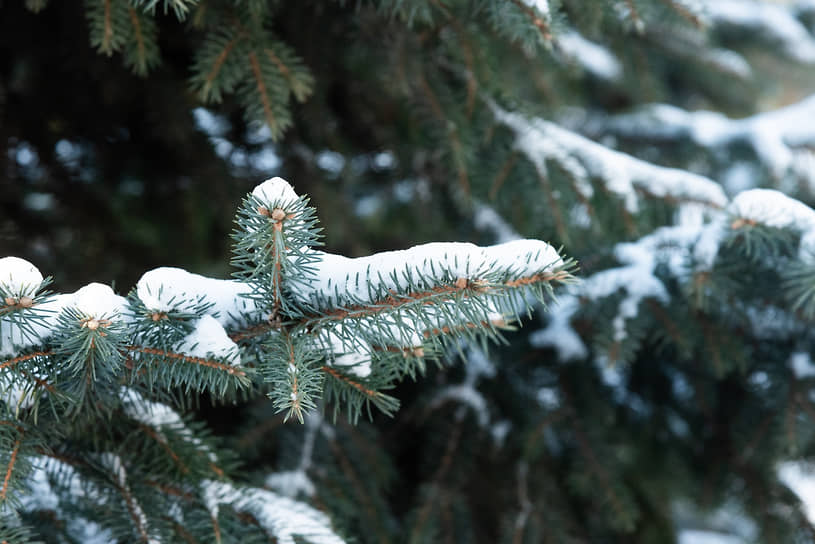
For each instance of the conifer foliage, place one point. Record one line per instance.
(238, 52)
(307, 326)
(663, 393)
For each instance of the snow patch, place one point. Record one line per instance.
(281, 516)
(98, 301)
(170, 289)
(775, 209)
(622, 174)
(275, 191)
(802, 365)
(592, 57)
(18, 277)
(340, 280)
(209, 339)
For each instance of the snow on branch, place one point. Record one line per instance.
(341, 281)
(774, 22)
(621, 174)
(677, 248)
(357, 324)
(591, 56)
(45, 495)
(774, 135)
(287, 520)
(635, 279)
(18, 278)
(166, 290)
(28, 317)
(161, 417)
(774, 209)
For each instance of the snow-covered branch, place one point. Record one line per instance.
(586, 161)
(774, 136)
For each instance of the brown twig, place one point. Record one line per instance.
(229, 369)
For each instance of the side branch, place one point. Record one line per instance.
(356, 385)
(11, 362)
(392, 303)
(442, 293)
(560, 275)
(149, 431)
(261, 87)
(252, 332)
(107, 39)
(219, 62)
(133, 509)
(537, 21)
(229, 369)
(498, 323)
(15, 450)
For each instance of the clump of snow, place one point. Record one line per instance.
(800, 478)
(341, 280)
(478, 365)
(499, 432)
(18, 277)
(98, 301)
(541, 5)
(275, 191)
(725, 525)
(291, 483)
(209, 339)
(592, 57)
(558, 333)
(281, 516)
(169, 289)
(623, 175)
(802, 365)
(707, 245)
(775, 209)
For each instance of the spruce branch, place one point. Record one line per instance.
(293, 372)
(216, 68)
(108, 21)
(535, 17)
(314, 324)
(277, 230)
(180, 8)
(354, 394)
(141, 52)
(15, 450)
(209, 363)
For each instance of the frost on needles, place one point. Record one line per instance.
(308, 328)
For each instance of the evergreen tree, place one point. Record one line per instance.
(660, 392)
